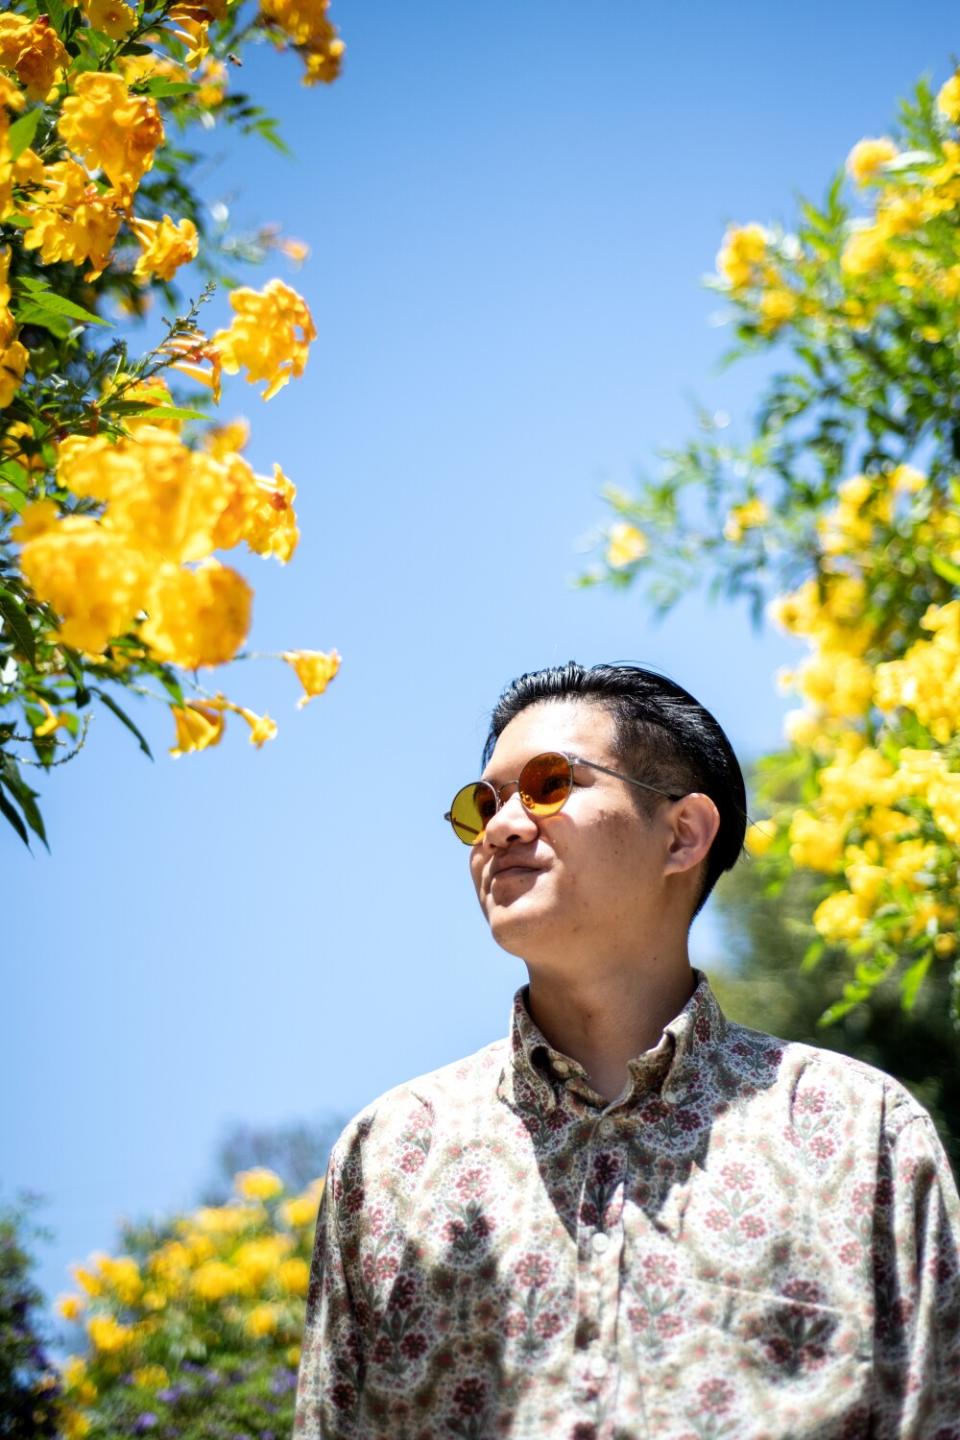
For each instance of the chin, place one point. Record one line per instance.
(518, 928)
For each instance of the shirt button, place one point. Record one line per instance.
(598, 1367)
(561, 1067)
(606, 1128)
(600, 1242)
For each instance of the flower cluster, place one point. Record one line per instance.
(202, 1315)
(827, 508)
(115, 506)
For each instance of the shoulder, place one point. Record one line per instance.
(811, 1074)
(417, 1106)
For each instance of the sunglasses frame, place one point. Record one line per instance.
(497, 790)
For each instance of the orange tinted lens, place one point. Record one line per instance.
(472, 808)
(545, 783)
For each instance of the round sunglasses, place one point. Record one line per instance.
(544, 786)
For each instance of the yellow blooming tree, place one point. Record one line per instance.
(842, 514)
(119, 491)
(194, 1330)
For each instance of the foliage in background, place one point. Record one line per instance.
(844, 507)
(195, 1329)
(29, 1382)
(763, 983)
(117, 494)
(296, 1152)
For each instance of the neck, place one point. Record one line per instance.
(605, 1016)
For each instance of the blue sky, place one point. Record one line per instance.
(509, 208)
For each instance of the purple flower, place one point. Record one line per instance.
(144, 1422)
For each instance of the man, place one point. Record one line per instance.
(630, 1218)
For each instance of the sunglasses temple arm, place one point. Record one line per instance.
(629, 779)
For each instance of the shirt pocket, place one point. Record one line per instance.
(759, 1366)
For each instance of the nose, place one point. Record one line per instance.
(510, 824)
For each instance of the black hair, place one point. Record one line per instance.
(663, 735)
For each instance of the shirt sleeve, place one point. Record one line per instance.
(917, 1287)
(331, 1361)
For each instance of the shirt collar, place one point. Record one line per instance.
(536, 1072)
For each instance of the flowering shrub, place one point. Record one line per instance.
(29, 1383)
(196, 1328)
(117, 495)
(845, 507)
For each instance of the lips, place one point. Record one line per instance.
(512, 867)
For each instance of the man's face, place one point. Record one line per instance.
(591, 873)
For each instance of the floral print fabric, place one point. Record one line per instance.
(755, 1241)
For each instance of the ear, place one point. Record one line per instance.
(694, 824)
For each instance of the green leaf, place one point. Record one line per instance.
(123, 717)
(41, 301)
(161, 89)
(17, 621)
(812, 956)
(946, 569)
(7, 810)
(169, 412)
(26, 797)
(913, 978)
(22, 131)
(12, 498)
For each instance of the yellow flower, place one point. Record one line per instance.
(907, 479)
(94, 582)
(197, 617)
(294, 1276)
(212, 84)
(33, 51)
(314, 669)
(815, 844)
(262, 728)
(258, 1260)
(228, 439)
(111, 17)
(948, 98)
(295, 250)
(111, 129)
(122, 1276)
(292, 1354)
(305, 23)
(76, 1426)
(745, 517)
(70, 1306)
(868, 156)
(214, 1280)
(775, 307)
(262, 1320)
(759, 837)
(840, 917)
(269, 335)
(226, 1219)
(865, 252)
(107, 1335)
(260, 511)
(743, 252)
(801, 728)
(302, 1209)
(198, 727)
(625, 543)
(166, 247)
(151, 1377)
(258, 1184)
(79, 1387)
(162, 497)
(14, 359)
(71, 219)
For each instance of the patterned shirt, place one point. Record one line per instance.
(755, 1240)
